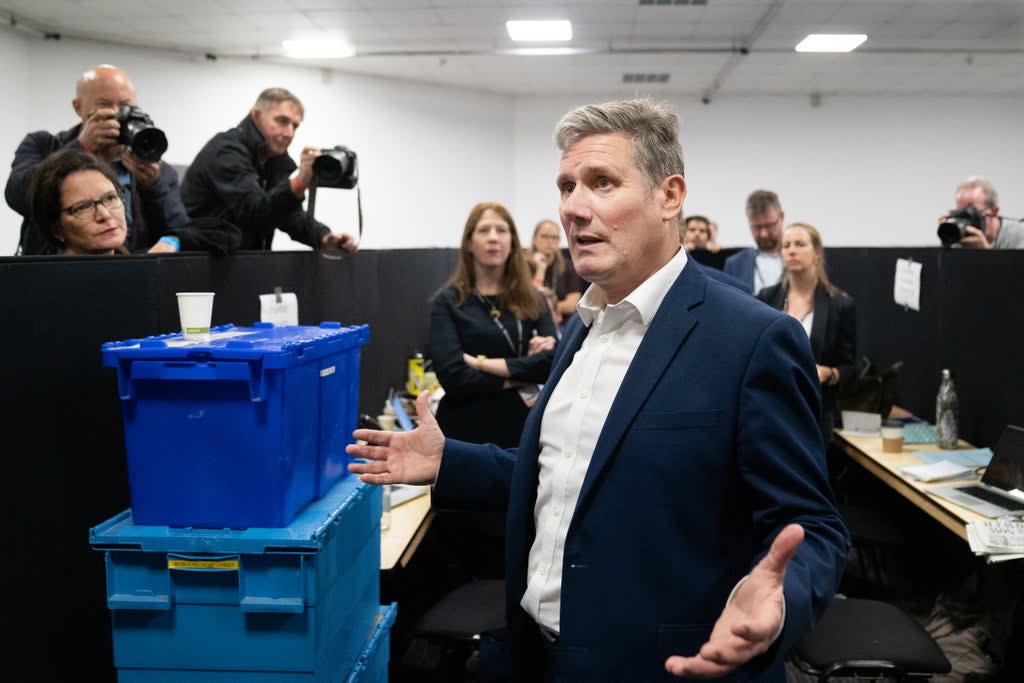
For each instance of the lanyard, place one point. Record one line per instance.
(516, 349)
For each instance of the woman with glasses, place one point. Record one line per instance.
(826, 312)
(552, 270)
(76, 202)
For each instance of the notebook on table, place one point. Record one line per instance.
(1005, 473)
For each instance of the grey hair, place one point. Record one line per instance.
(761, 202)
(271, 97)
(652, 127)
(986, 186)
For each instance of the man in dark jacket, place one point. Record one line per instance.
(152, 203)
(244, 175)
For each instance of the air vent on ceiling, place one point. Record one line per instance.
(645, 78)
(672, 2)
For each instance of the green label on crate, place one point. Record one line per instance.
(204, 564)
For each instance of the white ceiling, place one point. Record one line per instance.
(711, 48)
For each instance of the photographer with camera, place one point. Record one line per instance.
(975, 223)
(244, 175)
(114, 129)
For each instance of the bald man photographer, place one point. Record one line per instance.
(104, 98)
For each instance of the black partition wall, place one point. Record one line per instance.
(64, 467)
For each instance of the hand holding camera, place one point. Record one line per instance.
(100, 131)
(966, 226)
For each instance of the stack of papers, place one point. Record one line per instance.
(938, 471)
(999, 539)
(976, 457)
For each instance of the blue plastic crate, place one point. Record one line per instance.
(280, 605)
(372, 666)
(239, 431)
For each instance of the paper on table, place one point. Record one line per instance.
(859, 423)
(906, 286)
(938, 471)
(977, 457)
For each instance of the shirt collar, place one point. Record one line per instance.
(646, 298)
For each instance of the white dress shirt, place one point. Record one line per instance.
(767, 270)
(573, 420)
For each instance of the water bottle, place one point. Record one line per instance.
(947, 434)
(385, 513)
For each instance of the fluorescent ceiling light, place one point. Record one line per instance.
(313, 49)
(545, 51)
(831, 42)
(539, 31)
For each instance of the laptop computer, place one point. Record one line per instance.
(1004, 473)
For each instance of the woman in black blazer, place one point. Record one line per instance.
(826, 312)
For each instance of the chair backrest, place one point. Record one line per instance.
(868, 638)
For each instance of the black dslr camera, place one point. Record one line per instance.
(954, 228)
(139, 135)
(336, 167)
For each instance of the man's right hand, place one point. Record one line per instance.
(99, 130)
(400, 457)
(974, 239)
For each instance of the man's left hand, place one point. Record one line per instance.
(750, 621)
(146, 173)
(340, 240)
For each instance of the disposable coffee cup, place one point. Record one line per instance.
(195, 310)
(387, 422)
(892, 436)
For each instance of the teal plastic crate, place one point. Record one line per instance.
(372, 666)
(239, 431)
(280, 605)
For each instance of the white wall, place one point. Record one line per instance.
(426, 155)
(865, 170)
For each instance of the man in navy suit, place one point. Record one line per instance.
(669, 512)
(761, 266)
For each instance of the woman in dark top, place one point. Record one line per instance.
(491, 335)
(826, 312)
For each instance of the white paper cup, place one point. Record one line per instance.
(195, 310)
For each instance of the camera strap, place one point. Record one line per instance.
(311, 206)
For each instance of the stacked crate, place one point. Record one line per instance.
(230, 573)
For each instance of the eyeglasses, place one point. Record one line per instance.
(762, 227)
(86, 209)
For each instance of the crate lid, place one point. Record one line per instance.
(273, 346)
(305, 534)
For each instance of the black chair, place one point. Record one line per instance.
(868, 639)
(458, 621)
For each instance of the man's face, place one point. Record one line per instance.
(975, 196)
(697, 235)
(619, 231)
(767, 229)
(278, 125)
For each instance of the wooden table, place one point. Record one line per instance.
(867, 451)
(409, 524)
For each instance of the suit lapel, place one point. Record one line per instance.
(822, 311)
(667, 332)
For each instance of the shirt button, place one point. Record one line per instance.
(604, 338)
(583, 394)
(544, 570)
(567, 454)
(556, 511)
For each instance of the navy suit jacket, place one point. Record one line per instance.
(741, 266)
(710, 448)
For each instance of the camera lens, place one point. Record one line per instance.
(336, 167)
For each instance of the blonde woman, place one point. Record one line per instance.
(827, 313)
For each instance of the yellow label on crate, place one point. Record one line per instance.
(204, 564)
